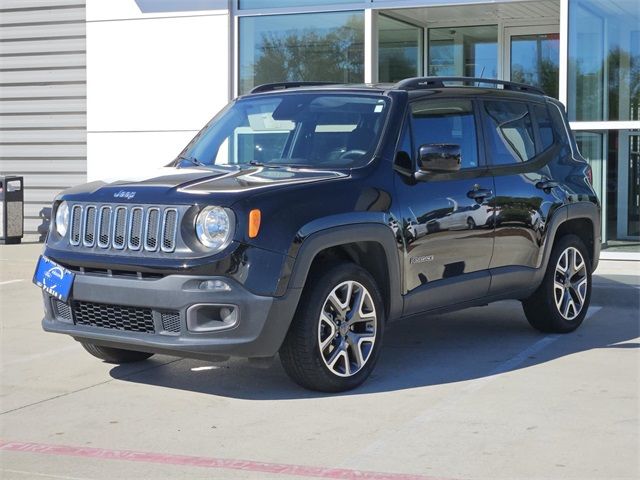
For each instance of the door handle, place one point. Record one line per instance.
(547, 184)
(479, 194)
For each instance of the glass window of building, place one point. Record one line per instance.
(464, 51)
(303, 47)
(247, 4)
(604, 60)
(535, 60)
(614, 157)
(399, 50)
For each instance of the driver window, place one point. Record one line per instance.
(446, 122)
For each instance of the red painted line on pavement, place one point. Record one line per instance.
(205, 462)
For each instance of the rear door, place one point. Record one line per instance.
(520, 142)
(447, 219)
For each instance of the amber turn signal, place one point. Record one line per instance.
(254, 223)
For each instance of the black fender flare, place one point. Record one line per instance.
(345, 234)
(572, 211)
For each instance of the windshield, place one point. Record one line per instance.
(317, 130)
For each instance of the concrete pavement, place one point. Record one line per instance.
(476, 394)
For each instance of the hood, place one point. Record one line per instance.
(225, 185)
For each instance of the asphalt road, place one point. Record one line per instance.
(476, 394)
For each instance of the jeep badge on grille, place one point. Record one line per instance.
(123, 194)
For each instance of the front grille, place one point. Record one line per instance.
(122, 227)
(115, 317)
(171, 322)
(89, 226)
(76, 221)
(151, 230)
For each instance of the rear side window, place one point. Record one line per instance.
(509, 132)
(545, 126)
(446, 121)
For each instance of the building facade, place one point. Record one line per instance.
(157, 70)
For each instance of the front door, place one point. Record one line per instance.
(447, 219)
(532, 56)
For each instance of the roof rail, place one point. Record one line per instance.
(439, 82)
(269, 87)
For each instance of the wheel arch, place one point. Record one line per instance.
(370, 245)
(582, 219)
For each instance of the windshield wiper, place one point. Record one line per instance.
(193, 160)
(254, 163)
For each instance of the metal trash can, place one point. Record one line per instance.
(11, 209)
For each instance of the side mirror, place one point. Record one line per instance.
(439, 158)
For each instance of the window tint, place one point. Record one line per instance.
(310, 129)
(446, 121)
(545, 125)
(509, 132)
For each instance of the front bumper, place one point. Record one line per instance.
(260, 327)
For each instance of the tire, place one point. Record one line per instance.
(350, 342)
(560, 303)
(471, 223)
(115, 355)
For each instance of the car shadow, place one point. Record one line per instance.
(420, 352)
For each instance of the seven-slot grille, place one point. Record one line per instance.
(123, 227)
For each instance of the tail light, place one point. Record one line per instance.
(589, 174)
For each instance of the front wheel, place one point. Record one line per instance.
(562, 300)
(335, 336)
(115, 355)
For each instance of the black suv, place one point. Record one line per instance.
(305, 217)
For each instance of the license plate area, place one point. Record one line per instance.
(54, 279)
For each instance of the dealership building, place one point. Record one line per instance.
(105, 88)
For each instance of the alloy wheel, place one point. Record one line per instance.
(347, 328)
(570, 283)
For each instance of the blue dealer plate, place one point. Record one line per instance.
(53, 279)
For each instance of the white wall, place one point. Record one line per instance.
(153, 80)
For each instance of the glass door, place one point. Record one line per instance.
(533, 56)
(628, 221)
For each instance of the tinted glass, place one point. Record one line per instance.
(545, 125)
(306, 47)
(399, 50)
(446, 121)
(306, 129)
(604, 60)
(510, 132)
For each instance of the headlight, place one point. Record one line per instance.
(62, 219)
(214, 227)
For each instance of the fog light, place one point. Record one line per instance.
(215, 285)
(209, 318)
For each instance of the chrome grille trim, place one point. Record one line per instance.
(76, 225)
(151, 227)
(104, 227)
(114, 228)
(89, 225)
(119, 237)
(169, 230)
(136, 221)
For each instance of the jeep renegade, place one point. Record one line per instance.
(306, 216)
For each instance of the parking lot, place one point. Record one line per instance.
(476, 394)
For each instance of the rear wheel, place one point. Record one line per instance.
(115, 355)
(335, 336)
(562, 300)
